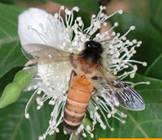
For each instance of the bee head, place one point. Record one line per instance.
(92, 51)
(93, 46)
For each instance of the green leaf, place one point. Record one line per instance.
(15, 127)
(10, 53)
(151, 92)
(155, 13)
(10, 57)
(26, 1)
(138, 124)
(154, 69)
(7, 1)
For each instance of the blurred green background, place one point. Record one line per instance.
(146, 15)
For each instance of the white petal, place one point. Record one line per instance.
(38, 26)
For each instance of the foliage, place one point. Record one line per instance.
(147, 123)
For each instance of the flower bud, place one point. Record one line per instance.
(10, 94)
(23, 78)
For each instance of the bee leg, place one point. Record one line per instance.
(73, 73)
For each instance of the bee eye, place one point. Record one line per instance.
(95, 78)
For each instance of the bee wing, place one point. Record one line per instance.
(128, 97)
(40, 50)
(119, 91)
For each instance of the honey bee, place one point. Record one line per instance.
(88, 77)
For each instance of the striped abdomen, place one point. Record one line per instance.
(78, 98)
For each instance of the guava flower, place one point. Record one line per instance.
(51, 80)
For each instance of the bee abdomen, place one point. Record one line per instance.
(77, 101)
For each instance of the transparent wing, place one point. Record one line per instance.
(40, 50)
(128, 97)
(119, 92)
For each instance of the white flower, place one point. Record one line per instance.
(51, 81)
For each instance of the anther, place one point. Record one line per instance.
(27, 116)
(144, 64)
(62, 7)
(76, 9)
(132, 28)
(120, 11)
(116, 24)
(111, 129)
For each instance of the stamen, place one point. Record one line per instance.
(27, 116)
(130, 29)
(140, 83)
(116, 12)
